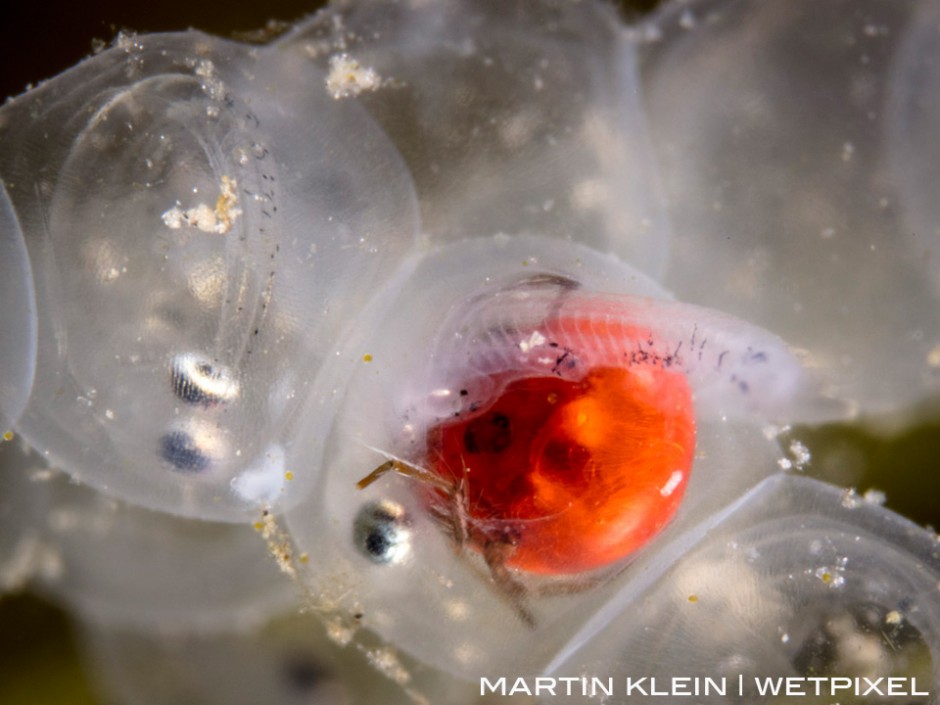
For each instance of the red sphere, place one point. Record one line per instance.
(574, 475)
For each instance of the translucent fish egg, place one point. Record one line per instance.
(114, 563)
(780, 130)
(500, 515)
(912, 111)
(794, 582)
(196, 242)
(513, 117)
(18, 317)
(289, 661)
(25, 551)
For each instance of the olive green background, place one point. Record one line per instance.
(39, 663)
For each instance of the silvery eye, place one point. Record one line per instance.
(799, 223)
(799, 581)
(539, 435)
(198, 233)
(380, 532)
(512, 116)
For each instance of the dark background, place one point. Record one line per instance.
(41, 39)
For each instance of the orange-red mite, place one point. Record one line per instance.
(575, 474)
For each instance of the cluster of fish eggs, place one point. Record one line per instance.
(461, 328)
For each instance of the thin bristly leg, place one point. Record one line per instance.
(496, 554)
(456, 519)
(407, 470)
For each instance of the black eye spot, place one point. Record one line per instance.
(180, 450)
(378, 543)
(489, 434)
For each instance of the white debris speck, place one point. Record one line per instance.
(850, 498)
(339, 632)
(208, 219)
(687, 20)
(126, 41)
(211, 83)
(385, 660)
(800, 453)
(348, 78)
(533, 341)
(831, 576)
(279, 543)
(200, 216)
(205, 68)
(785, 464)
(875, 497)
(671, 484)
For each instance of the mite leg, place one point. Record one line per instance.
(407, 470)
(496, 554)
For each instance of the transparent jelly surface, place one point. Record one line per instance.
(461, 556)
(913, 110)
(114, 563)
(200, 220)
(513, 117)
(798, 580)
(141, 569)
(776, 129)
(17, 317)
(289, 661)
(25, 552)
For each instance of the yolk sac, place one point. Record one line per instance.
(572, 474)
